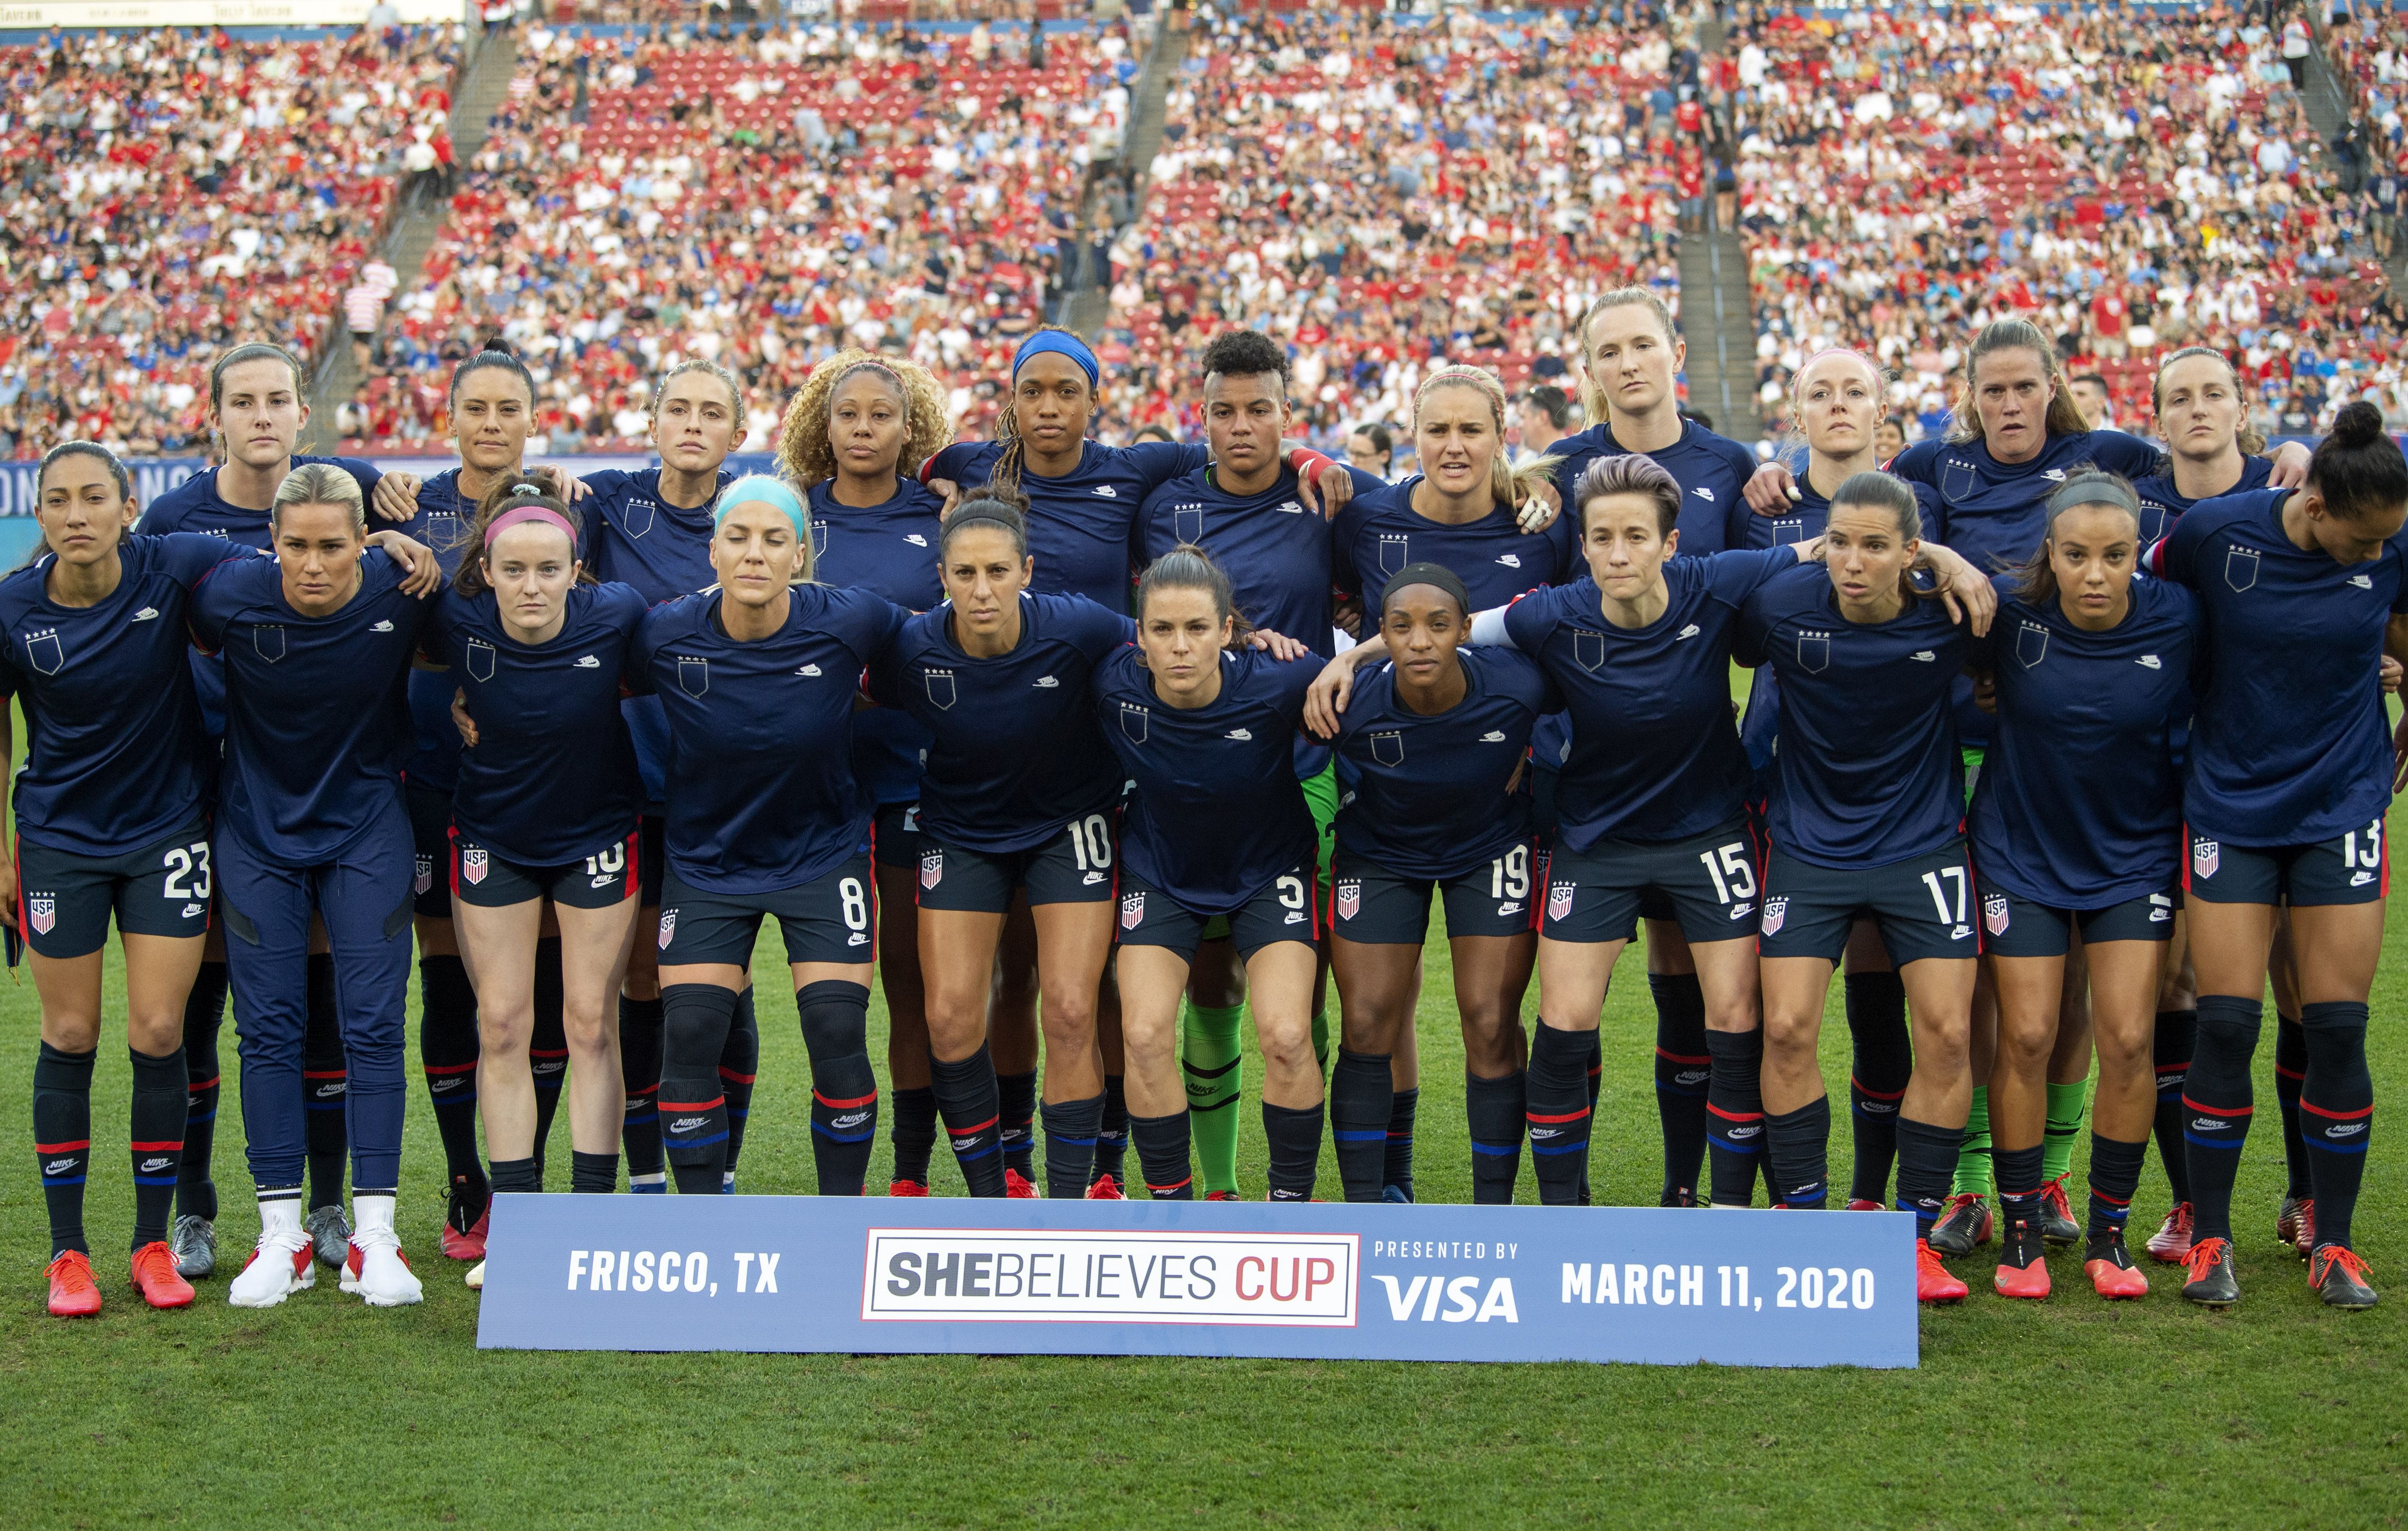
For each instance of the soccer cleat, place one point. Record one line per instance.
(153, 1274)
(1964, 1223)
(277, 1269)
(2110, 1268)
(1398, 1195)
(2171, 1244)
(475, 1276)
(1222, 1196)
(2056, 1224)
(1861, 1205)
(2209, 1269)
(377, 1271)
(905, 1188)
(1106, 1189)
(2303, 1226)
(74, 1294)
(2287, 1221)
(1018, 1187)
(1932, 1282)
(330, 1235)
(195, 1243)
(1677, 1196)
(2023, 1266)
(2339, 1277)
(467, 1246)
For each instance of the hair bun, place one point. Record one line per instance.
(499, 347)
(2358, 423)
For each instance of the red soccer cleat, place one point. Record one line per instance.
(1862, 1206)
(905, 1188)
(2110, 1268)
(74, 1294)
(1222, 1196)
(2171, 1244)
(156, 1277)
(1932, 1282)
(470, 1244)
(1106, 1189)
(1018, 1187)
(2303, 1226)
(2023, 1268)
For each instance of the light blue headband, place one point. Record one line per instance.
(769, 491)
(1062, 343)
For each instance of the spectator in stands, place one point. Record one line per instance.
(1372, 448)
(2092, 398)
(1545, 417)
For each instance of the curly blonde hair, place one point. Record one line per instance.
(805, 451)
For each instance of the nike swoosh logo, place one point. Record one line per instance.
(381, 627)
(146, 613)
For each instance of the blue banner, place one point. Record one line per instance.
(1326, 1281)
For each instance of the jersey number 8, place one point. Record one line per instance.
(857, 904)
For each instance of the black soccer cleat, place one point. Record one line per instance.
(2209, 1266)
(2339, 1277)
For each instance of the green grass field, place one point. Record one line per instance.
(324, 1410)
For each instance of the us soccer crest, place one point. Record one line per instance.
(1350, 898)
(668, 928)
(42, 912)
(1775, 911)
(1132, 911)
(1559, 900)
(2205, 856)
(472, 864)
(425, 877)
(1994, 914)
(932, 868)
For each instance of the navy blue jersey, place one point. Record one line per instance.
(2079, 805)
(634, 536)
(1710, 471)
(2290, 745)
(194, 506)
(113, 742)
(1425, 796)
(1016, 750)
(1078, 524)
(1380, 532)
(1653, 754)
(1868, 772)
(2162, 504)
(317, 708)
(1275, 550)
(760, 793)
(1218, 812)
(889, 550)
(442, 522)
(553, 778)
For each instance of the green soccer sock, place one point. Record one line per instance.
(1211, 1061)
(1973, 1157)
(2067, 1106)
(1321, 1042)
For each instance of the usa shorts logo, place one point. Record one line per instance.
(425, 877)
(2205, 856)
(1349, 899)
(932, 868)
(1559, 900)
(472, 864)
(42, 912)
(1132, 911)
(1775, 911)
(1994, 914)
(668, 928)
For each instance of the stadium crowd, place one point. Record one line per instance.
(1905, 176)
(172, 193)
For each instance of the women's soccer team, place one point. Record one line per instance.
(2059, 744)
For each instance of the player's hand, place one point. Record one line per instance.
(1321, 484)
(2290, 469)
(1967, 592)
(397, 497)
(2388, 674)
(461, 721)
(1540, 508)
(2398, 755)
(566, 488)
(1326, 701)
(950, 492)
(1347, 616)
(1771, 490)
(1279, 645)
(425, 574)
(9, 915)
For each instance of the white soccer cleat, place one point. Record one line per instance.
(475, 1279)
(374, 1269)
(281, 1266)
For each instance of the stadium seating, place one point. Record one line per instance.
(173, 192)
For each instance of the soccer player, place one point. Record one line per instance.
(856, 434)
(1867, 800)
(757, 680)
(2075, 825)
(1246, 510)
(111, 819)
(317, 644)
(545, 812)
(1218, 826)
(2287, 782)
(1432, 751)
(1019, 798)
(258, 407)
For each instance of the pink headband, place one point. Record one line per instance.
(528, 513)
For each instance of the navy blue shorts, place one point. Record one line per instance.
(2019, 926)
(430, 835)
(651, 859)
(1706, 882)
(827, 920)
(1283, 910)
(66, 899)
(894, 834)
(1546, 827)
(1923, 906)
(488, 880)
(1072, 865)
(2352, 868)
(1371, 906)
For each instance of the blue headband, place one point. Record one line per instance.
(1062, 343)
(769, 491)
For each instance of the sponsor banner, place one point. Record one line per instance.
(1330, 1281)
